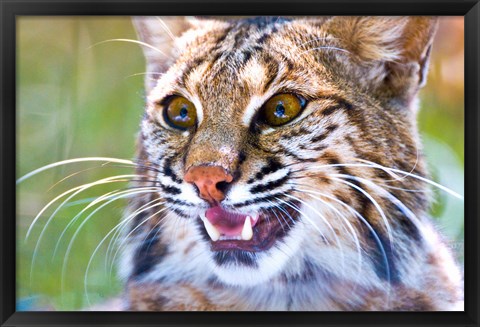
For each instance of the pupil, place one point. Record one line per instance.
(183, 112)
(280, 110)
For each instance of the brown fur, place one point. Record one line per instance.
(360, 77)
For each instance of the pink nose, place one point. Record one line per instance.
(206, 178)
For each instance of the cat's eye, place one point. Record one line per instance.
(180, 113)
(282, 108)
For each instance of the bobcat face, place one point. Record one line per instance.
(272, 143)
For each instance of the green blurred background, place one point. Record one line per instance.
(78, 98)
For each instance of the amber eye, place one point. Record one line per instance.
(180, 113)
(282, 108)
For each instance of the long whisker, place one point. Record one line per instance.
(126, 238)
(144, 73)
(69, 161)
(381, 166)
(390, 171)
(130, 41)
(117, 234)
(324, 48)
(78, 189)
(373, 201)
(369, 227)
(166, 28)
(404, 189)
(305, 216)
(393, 170)
(99, 199)
(75, 218)
(283, 211)
(70, 245)
(340, 245)
(103, 197)
(156, 228)
(71, 175)
(382, 192)
(85, 281)
(121, 239)
(423, 179)
(317, 212)
(276, 216)
(344, 220)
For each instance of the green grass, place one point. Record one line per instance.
(76, 100)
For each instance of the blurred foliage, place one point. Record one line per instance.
(79, 96)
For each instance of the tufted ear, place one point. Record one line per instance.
(158, 35)
(399, 45)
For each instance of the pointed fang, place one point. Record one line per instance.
(247, 232)
(211, 230)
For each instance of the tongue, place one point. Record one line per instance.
(227, 223)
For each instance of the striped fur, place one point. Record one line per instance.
(354, 237)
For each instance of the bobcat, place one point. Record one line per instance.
(287, 168)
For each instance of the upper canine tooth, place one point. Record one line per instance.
(247, 232)
(203, 216)
(211, 230)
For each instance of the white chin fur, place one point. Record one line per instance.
(269, 263)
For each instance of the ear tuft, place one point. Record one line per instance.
(369, 38)
(384, 38)
(158, 35)
(401, 45)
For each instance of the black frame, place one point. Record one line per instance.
(9, 9)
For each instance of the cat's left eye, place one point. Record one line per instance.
(180, 113)
(282, 108)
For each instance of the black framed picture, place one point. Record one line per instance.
(272, 167)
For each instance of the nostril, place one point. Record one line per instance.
(223, 186)
(211, 181)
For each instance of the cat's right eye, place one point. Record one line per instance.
(282, 108)
(180, 113)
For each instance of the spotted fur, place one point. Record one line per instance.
(354, 236)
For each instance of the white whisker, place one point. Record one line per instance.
(126, 238)
(391, 172)
(69, 161)
(78, 189)
(370, 228)
(85, 280)
(130, 41)
(283, 217)
(144, 73)
(344, 221)
(91, 204)
(382, 192)
(117, 234)
(372, 200)
(70, 245)
(305, 216)
(340, 244)
(324, 48)
(166, 28)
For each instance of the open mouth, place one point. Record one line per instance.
(250, 232)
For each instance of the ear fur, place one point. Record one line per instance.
(158, 34)
(400, 46)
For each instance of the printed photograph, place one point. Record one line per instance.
(239, 163)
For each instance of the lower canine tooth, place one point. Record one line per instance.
(247, 232)
(211, 230)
